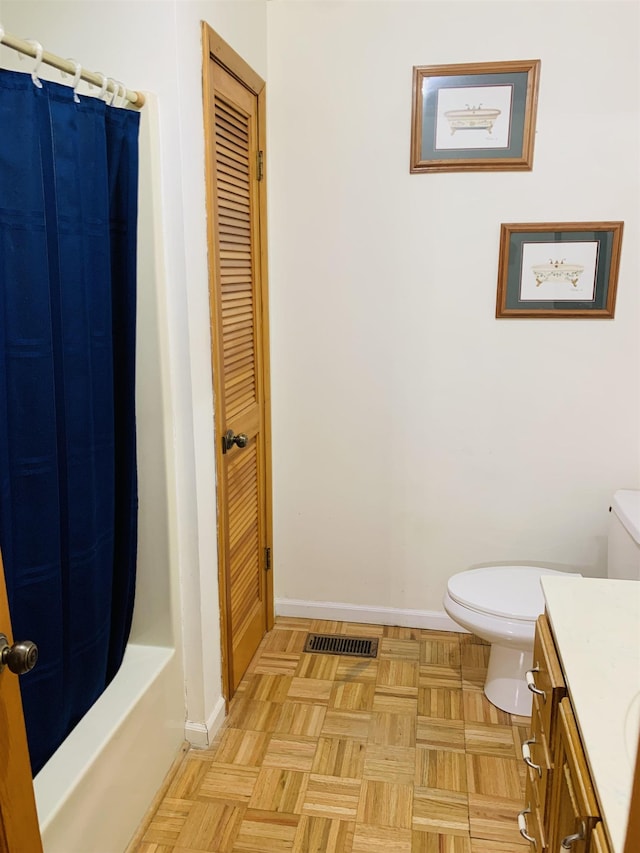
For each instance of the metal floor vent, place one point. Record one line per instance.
(338, 644)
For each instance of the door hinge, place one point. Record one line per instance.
(267, 559)
(260, 165)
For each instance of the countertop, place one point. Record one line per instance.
(596, 626)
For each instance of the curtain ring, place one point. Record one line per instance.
(119, 88)
(116, 89)
(39, 51)
(76, 79)
(103, 87)
(110, 95)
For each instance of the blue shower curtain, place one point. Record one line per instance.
(68, 484)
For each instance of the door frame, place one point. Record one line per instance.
(215, 49)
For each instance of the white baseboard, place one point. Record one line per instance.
(200, 735)
(434, 620)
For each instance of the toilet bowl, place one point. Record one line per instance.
(500, 604)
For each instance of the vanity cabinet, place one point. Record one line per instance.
(561, 811)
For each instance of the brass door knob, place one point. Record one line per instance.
(21, 657)
(230, 438)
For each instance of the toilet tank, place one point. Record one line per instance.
(623, 558)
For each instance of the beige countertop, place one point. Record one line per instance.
(596, 625)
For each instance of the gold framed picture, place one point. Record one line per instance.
(558, 269)
(474, 117)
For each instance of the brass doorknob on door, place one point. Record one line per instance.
(21, 657)
(230, 438)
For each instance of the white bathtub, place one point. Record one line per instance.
(93, 792)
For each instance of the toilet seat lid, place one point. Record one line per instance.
(513, 592)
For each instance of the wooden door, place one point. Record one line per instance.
(236, 207)
(19, 831)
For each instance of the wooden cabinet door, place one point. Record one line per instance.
(19, 830)
(548, 678)
(574, 810)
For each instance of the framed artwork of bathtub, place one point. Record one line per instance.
(566, 269)
(474, 117)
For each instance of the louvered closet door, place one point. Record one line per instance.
(239, 380)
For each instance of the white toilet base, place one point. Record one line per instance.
(505, 685)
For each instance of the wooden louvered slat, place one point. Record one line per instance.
(240, 533)
(234, 193)
(238, 372)
(229, 232)
(235, 269)
(233, 180)
(240, 489)
(240, 386)
(246, 595)
(237, 276)
(234, 227)
(241, 553)
(230, 134)
(238, 298)
(229, 200)
(240, 362)
(246, 516)
(235, 255)
(235, 339)
(243, 535)
(237, 334)
(233, 364)
(232, 202)
(230, 112)
(235, 283)
(237, 362)
(243, 526)
(233, 220)
(232, 161)
(236, 310)
(245, 579)
(230, 142)
(241, 404)
(232, 270)
(239, 183)
(240, 399)
(235, 243)
(235, 321)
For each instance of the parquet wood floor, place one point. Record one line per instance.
(332, 754)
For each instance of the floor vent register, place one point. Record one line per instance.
(338, 644)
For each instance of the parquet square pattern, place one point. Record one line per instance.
(332, 754)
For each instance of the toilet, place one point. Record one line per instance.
(500, 604)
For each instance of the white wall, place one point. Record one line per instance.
(155, 45)
(414, 434)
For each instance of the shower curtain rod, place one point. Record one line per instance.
(69, 66)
